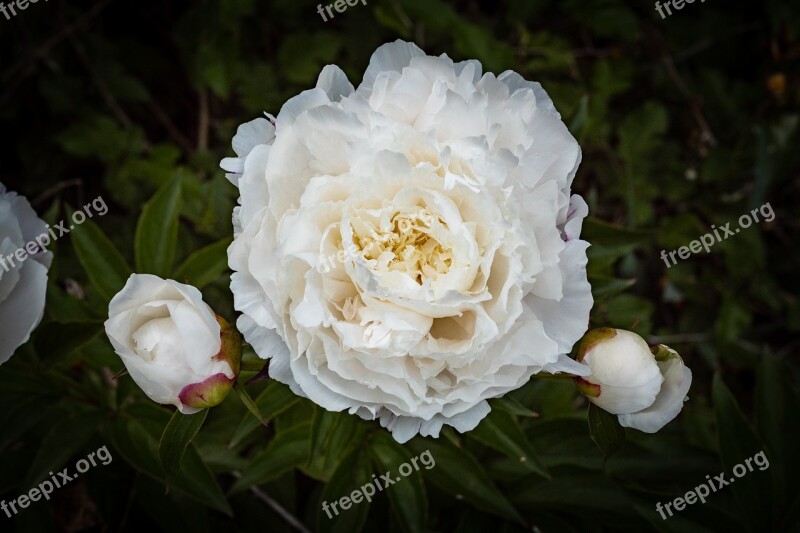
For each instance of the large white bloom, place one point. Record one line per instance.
(23, 271)
(173, 345)
(452, 187)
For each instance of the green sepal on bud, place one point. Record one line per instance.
(664, 353)
(231, 345)
(213, 390)
(591, 339)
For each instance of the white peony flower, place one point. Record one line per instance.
(645, 386)
(453, 187)
(173, 345)
(23, 272)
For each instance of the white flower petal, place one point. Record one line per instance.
(516, 82)
(9, 275)
(668, 403)
(619, 400)
(335, 83)
(566, 320)
(298, 105)
(391, 57)
(577, 211)
(251, 134)
(23, 309)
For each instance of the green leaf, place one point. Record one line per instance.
(332, 436)
(289, 449)
(20, 416)
(602, 233)
(139, 448)
(605, 430)
(602, 257)
(407, 497)
(501, 431)
(302, 412)
(104, 265)
(178, 434)
(100, 136)
(354, 472)
(56, 340)
(581, 114)
(779, 427)
(205, 265)
(792, 517)
(609, 243)
(67, 438)
(459, 473)
(628, 311)
(687, 522)
(171, 512)
(65, 308)
(733, 318)
(512, 406)
(737, 443)
(248, 402)
(198, 481)
(571, 495)
(136, 446)
(302, 54)
(607, 286)
(157, 230)
(388, 18)
(274, 400)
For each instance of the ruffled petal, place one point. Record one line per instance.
(668, 403)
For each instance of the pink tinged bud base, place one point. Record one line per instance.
(208, 393)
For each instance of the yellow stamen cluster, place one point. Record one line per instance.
(406, 242)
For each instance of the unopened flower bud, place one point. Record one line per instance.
(173, 345)
(644, 386)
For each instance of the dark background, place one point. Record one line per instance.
(684, 122)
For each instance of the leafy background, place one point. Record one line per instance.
(684, 122)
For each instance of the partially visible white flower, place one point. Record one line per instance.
(453, 186)
(173, 345)
(645, 386)
(23, 282)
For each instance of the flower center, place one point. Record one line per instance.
(410, 241)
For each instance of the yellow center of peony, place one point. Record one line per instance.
(408, 241)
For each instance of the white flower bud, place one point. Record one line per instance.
(173, 345)
(644, 386)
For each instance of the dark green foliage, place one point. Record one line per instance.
(684, 122)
